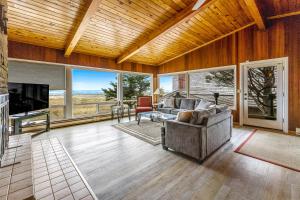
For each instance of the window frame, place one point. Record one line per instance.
(173, 74)
(209, 69)
(119, 75)
(59, 106)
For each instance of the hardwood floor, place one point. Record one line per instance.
(120, 166)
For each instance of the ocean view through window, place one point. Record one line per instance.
(88, 92)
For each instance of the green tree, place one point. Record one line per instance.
(261, 83)
(221, 78)
(133, 86)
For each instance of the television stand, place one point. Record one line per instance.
(18, 124)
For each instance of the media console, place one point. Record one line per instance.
(18, 121)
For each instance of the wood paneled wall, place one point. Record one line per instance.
(219, 53)
(3, 52)
(37, 53)
(281, 39)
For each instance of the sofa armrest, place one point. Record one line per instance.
(183, 124)
(186, 138)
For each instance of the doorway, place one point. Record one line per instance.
(264, 94)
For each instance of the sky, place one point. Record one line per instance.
(165, 82)
(92, 80)
(96, 80)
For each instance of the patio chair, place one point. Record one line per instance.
(144, 104)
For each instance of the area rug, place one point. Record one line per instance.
(278, 149)
(147, 131)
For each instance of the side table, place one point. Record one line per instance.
(119, 111)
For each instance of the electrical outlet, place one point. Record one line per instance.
(298, 131)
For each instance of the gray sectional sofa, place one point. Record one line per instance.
(180, 104)
(197, 140)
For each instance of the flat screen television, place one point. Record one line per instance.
(26, 97)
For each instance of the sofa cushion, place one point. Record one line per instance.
(184, 116)
(187, 104)
(165, 110)
(204, 104)
(169, 103)
(143, 109)
(176, 111)
(200, 117)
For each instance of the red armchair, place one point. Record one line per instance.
(144, 104)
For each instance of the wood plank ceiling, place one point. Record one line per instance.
(117, 26)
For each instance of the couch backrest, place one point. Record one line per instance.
(213, 119)
(187, 104)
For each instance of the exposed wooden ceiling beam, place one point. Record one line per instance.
(255, 13)
(221, 37)
(175, 21)
(284, 15)
(81, 26)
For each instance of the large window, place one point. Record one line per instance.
(57, 104)
(173, 85)
(214, 84)
(135, 85)
(93, 92)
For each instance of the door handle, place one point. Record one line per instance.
(245, 98)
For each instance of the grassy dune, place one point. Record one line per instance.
(79, 110)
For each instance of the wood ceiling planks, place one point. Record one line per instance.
(39, 22)
(119, 25)
(207, 25)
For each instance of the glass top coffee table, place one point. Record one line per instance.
(156, 116)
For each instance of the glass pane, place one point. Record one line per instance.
(262, 90)
(93, 92)
(135, 85)
(57, 113)
(56, 104)
(173, 85)
(214, 86)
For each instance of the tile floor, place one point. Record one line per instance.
(55, 175)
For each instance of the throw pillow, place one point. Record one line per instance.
(199, 117)
(187, 104)
(204, 104)
(169, 103)
(184, 116)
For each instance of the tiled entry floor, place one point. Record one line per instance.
(55, 175)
